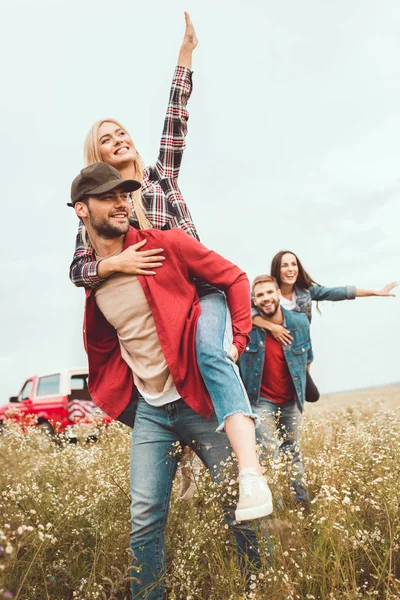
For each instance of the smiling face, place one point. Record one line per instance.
(115, 145)
(106, 214)
(266, 298)
(289, 269)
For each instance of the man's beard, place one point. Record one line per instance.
(272, 312)
(106, 229)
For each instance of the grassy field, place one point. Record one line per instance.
(64, 516)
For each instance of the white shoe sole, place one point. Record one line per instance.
(189, 493)
(255, 512)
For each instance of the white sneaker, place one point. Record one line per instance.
(188, 485)
(187, 488)
(255, 498)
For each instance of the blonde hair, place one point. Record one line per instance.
(91, 155)
(264, 279)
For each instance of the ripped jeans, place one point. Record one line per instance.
(219, 372)
(153, 467)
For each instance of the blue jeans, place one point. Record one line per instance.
(153, 467)
(220, 374)
(283, 421)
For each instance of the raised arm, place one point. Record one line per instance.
(175, 124)
(189, 43)
(174, 134)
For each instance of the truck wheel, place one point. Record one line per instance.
(46, 428)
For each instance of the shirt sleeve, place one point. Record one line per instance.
(209, 266)
(181, 215)
(334, 294)
(83, 269)
(173, 142)
(175, 125)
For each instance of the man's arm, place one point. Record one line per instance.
(206, 265)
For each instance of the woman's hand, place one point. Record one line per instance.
(190, 40)
(132, 262)
(233, 353)
(189, 43)
(281, 334)
(387, 289)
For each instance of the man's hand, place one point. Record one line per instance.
(233, 353)
(132, 262)
(387, 289)
(281, 334)
(189, 43)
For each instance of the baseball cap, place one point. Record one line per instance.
(97, 179)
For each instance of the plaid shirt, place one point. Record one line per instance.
(162, 199)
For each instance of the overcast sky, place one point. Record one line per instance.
(294, 142)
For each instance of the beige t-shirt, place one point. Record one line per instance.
(122, 301)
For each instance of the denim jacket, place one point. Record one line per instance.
(298, 354)
(305, 296)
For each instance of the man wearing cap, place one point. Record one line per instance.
(145, 327)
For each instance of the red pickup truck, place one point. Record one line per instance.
(57, 400)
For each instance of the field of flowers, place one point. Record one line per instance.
(64, 518)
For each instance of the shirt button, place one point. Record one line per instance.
(261, 343)
(247, 348)
(302, 350)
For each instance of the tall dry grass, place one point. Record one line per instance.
(64, 519)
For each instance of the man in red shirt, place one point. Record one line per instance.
(275, 377)
(140, 338)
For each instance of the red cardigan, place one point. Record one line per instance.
(174, 303)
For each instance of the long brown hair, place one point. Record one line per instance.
(91, 152)
(304, 280)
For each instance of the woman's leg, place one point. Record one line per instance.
(231, 404)
(219, 371)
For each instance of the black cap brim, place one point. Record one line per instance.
(128, 185)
